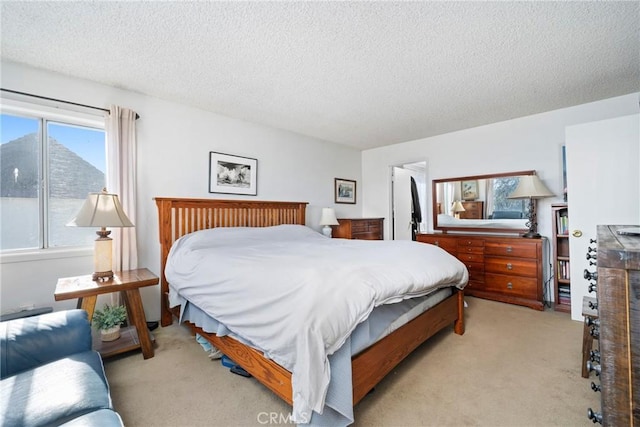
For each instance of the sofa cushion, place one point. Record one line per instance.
(56, 392)
(33, 341)
(101, 418)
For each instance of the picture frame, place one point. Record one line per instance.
(345, 191)
(231, 174)
(470, 190)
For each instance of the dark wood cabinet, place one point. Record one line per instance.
(358, 228)
(501, 268)
(618, 297)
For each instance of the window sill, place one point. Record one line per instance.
(44, 254)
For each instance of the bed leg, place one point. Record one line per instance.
(166, 316)
(458, 326)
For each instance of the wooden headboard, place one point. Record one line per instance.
(177, 217)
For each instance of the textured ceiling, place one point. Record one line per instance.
(364, 74)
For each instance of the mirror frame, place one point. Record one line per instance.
(445, 229)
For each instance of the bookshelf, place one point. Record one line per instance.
(562, 276)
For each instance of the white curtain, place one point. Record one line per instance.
(121, 180)
(489, 197)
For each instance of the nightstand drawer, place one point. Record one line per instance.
(359, 228)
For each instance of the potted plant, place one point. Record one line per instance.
(108, 321)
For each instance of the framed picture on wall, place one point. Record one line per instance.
(345, 191)
(232, 174)
(470, 190)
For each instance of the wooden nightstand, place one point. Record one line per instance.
(128, 283)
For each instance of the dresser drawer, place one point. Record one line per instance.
(448, 244)
(515, 249)
(470, 242)
(511, 266)
(476, 270)
(471, 257)
(358, 228)
(366, 236)
(523, 287)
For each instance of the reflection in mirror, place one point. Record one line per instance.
(479, 203)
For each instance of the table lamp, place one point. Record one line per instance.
(328, 219)
(530, 187)
(457, 207)
(101, 210)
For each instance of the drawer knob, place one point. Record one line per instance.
(437, 243)
(593, 367)
(591, 321)
(595, 387)
(590, 275)
(593, 288)
(509, 266)
(596, 417)
(594, 356)
(509, 285)
(509, 249)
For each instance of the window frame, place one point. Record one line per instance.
(57, 113)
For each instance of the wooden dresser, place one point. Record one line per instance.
(359, 228)
(506, 269)
(472, 210)
(618, 298)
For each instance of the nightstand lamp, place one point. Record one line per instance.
(101, 210)
(530, 187)
(457, 207)
(328, 219)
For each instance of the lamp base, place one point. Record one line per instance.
(531, 235)
(326, 230)
(102, 276)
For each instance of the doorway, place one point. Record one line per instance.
(408, 200)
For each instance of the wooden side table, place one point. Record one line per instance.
(128, 283)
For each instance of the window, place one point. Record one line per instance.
(502, 188)
(49, 162)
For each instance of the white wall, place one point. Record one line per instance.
(173, 161)
(532, 142)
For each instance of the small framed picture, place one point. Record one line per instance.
(469, 190)
(345, 191)
(232, 174)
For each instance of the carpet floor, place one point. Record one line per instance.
(513, 367)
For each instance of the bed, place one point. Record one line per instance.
(183, 217)
(515, 224)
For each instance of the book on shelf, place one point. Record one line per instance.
(564, 270)
(562, 221)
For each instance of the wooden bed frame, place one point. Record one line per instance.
(178, 216)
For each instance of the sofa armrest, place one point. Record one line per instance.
(33, 341)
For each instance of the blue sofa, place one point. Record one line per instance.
(50, 376)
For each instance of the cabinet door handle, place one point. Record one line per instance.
(509, 266)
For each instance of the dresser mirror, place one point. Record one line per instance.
(480, 203)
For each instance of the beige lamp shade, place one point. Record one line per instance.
(457, 207)
(101, 210)
(530, 187)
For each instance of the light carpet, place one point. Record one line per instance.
(514, 366)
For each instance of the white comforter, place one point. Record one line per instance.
(297, 295)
